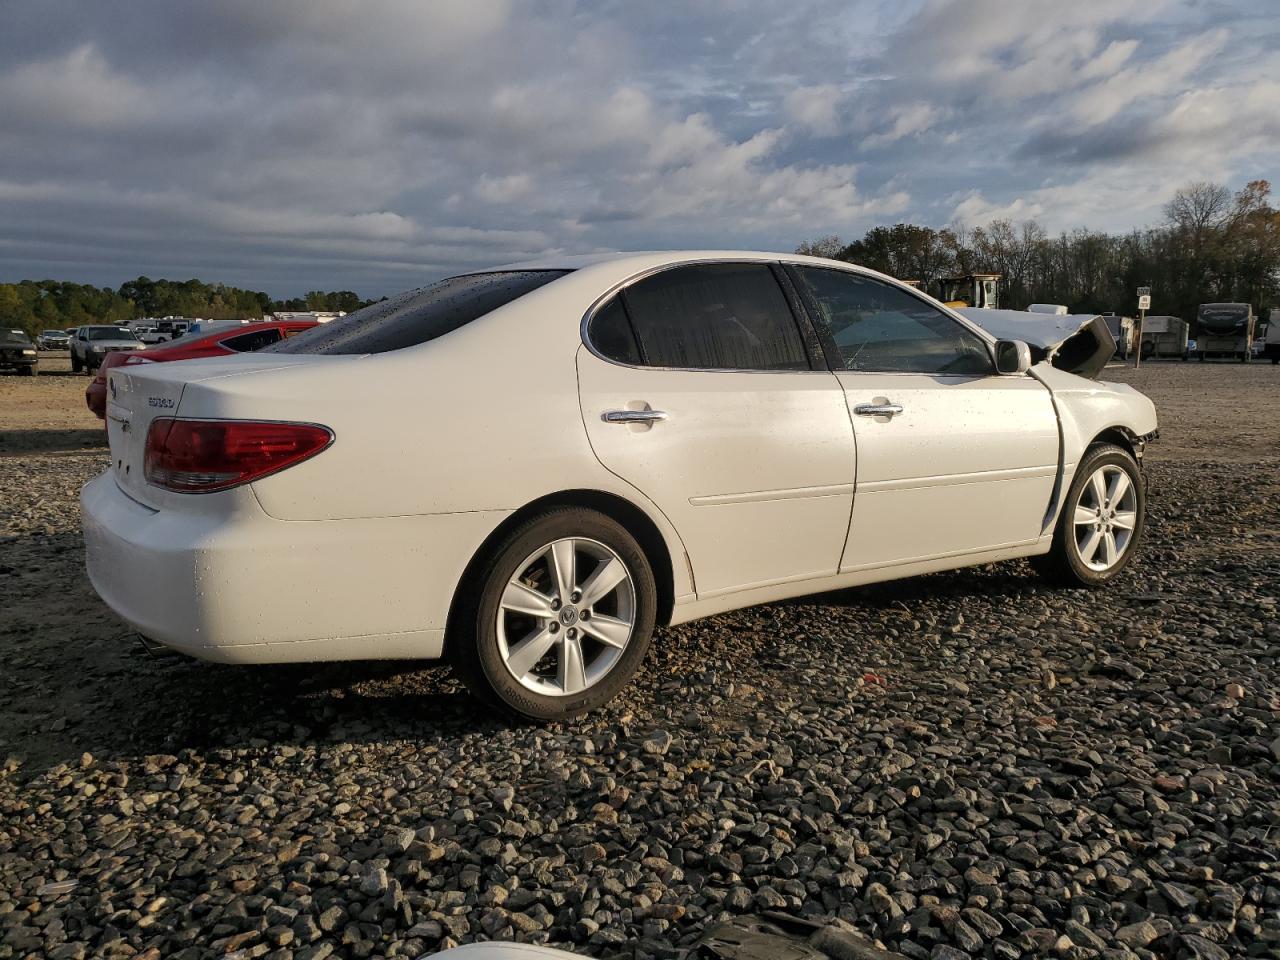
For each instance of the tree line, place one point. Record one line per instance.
(35, 305)
(1213, 246)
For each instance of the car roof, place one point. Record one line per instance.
(647, 259)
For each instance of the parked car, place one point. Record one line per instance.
(17, 352)
(166, 330)
(527, 469)
(241, 338)
(93, 343)
(53, 340)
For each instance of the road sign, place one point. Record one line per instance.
(1144, 301)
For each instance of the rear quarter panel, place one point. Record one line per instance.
(485, 418)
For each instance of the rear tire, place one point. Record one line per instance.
(537, 634)
(1095, 538)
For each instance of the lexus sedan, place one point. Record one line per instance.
(525, 470)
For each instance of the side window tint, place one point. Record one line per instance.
(877, 327)
(611, 334)
(716, 316)
(248, 342)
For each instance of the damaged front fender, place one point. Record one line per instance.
(1080, 343)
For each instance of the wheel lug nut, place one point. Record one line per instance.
(571, 633)
(575, 597)
(555, 604)
(555, 627)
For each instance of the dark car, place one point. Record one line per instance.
(17, 352)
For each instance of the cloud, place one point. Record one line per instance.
(301, 144)
(815, 108)
(906, 120)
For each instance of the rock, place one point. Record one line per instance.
(657, 743)
(1199, 948)
(57, 889)
(1235, 691)
(842, 944)
(1136, 935)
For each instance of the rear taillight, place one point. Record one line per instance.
(200, 456)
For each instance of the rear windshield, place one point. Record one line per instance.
(419, 315)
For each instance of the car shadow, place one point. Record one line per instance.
(1009, 578)
(52, 441)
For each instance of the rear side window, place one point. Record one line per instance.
(419, 315)
(715, 316)
(611, 333)
(249, 342)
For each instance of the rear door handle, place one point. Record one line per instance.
(633, 416)
(878, 409)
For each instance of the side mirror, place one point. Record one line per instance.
(1013, 357)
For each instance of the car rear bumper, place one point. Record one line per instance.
(251, 589)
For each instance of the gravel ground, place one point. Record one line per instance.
(961, 765)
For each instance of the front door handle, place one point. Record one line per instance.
(878, 409)
(633, 416)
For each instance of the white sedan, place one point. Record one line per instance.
(527, 469)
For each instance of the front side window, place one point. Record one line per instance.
(876, 327)
(419, 315)
(715, 316)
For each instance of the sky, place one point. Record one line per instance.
(375, 146)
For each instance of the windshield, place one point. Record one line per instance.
(1233, 316)
(14, 336)
(109, 333)
(419, 315)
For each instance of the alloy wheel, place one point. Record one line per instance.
(566, 616)
(1105, 517)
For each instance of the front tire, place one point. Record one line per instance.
(1101, 522)
(558, 617)
(76, 365)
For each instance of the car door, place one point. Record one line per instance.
(953, 458)
(698, 389)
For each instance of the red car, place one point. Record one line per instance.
(242, 339)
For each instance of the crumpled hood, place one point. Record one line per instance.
(1079, 343)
